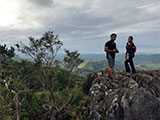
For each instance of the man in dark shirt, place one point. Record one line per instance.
(110, 49)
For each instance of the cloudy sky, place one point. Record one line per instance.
(83, 25)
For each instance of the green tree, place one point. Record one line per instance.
(43, 51)
(72, 61)
(6, 56)
(58, 84)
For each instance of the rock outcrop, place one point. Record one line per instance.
(126, 97)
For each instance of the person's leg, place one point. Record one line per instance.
(132, 65)
(110, 68)
(127, 66)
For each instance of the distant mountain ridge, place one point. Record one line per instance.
(97, 62)
(90, 57)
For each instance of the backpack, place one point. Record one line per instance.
(135, 48)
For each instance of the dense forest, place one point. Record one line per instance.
(40, 88)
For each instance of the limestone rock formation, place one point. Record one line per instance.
(126, 97)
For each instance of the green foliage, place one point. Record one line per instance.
(72, 59)
(42, 50)
(24, 71)
(39, 82)
(77, 96)
(91, 66)
(5, 56)
(32, 105)
(7, 52)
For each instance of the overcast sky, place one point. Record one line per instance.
(83, 25)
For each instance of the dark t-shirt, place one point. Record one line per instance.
(130, 49)
(111, 45)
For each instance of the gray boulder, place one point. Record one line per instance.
(126, 97)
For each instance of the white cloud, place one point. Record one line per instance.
(138, 28)
(70, 3)
(8, 13)
(152, 8)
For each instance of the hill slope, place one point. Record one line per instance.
(142, 62)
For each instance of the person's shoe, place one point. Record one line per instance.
(133, 72)
(127, 73)
(111, 78)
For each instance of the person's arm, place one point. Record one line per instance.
(127, 53)
(106, 49)
(116, 50)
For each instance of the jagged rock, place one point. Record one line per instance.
(126, 97)
(94, 115)
(88, 82)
